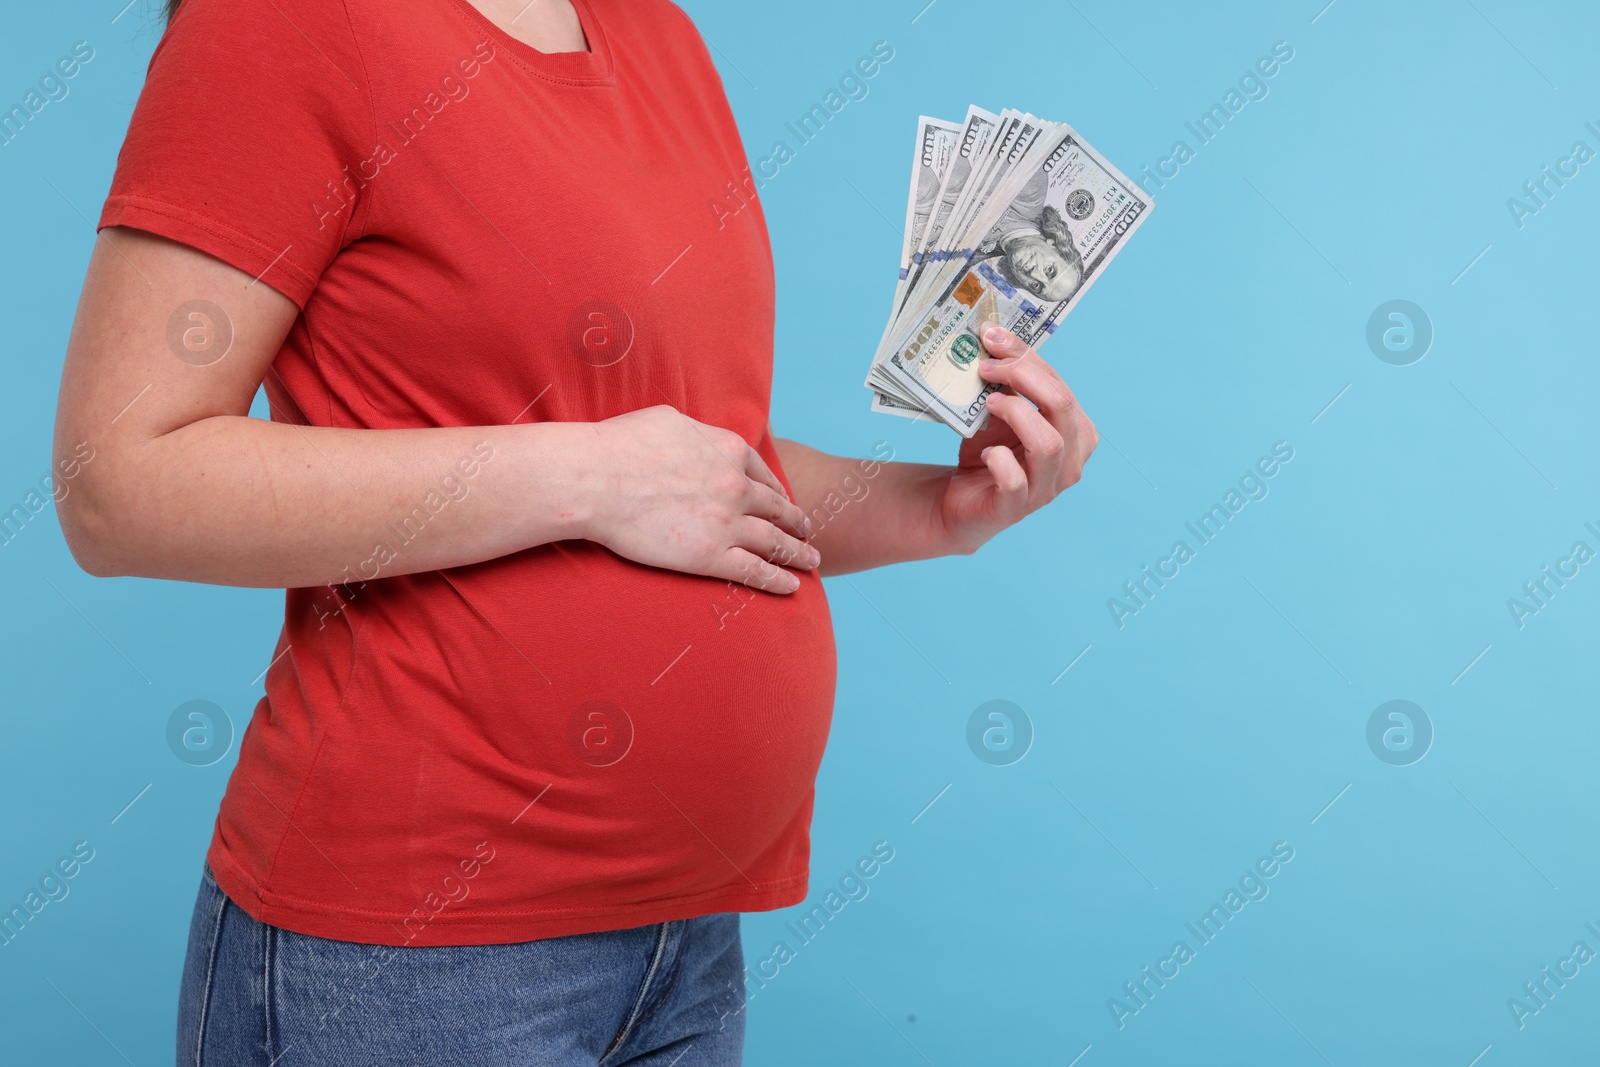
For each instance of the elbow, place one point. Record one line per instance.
(88, 525)
(82, 490)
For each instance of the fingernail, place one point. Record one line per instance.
(816, 558)
(805, 527)
(994, 333)
(792, 583)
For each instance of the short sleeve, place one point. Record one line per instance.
(248, 138)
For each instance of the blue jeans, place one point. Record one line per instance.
(253, 995)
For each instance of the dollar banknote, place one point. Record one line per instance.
(994, 146)
(954, 172)
(936, 143)
(1010, 147)
(1027, 216)
(972, 149)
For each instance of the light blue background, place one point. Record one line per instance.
(1222, 719)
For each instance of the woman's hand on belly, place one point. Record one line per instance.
(675, 493)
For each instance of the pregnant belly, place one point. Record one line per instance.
(620, 732)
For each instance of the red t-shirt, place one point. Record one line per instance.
(477, 233)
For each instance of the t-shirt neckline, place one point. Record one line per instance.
(588, 67)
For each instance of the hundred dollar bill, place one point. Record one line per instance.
(885, 404)
(936, 142)
(1007, 149)
(1025, 260)
(972, 147)
(976, 133)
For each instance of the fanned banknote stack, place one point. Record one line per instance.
(1010, 220)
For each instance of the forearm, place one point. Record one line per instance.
(867, 513)
(239, 501)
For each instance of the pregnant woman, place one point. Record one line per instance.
(556, 667)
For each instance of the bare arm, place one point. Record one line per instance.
(870, 514)
(867, 514)
(183, 484)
